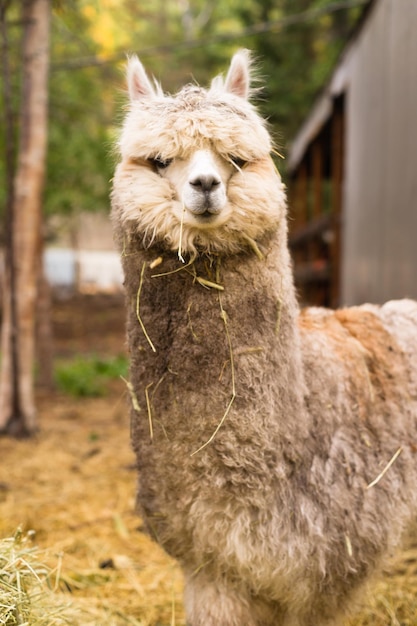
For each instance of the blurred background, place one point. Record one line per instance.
(296, 44)
(340, 93)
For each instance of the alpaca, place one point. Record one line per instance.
(276, 448)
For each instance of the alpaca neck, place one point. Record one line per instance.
(225, 340)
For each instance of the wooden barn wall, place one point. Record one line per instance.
(380, 192)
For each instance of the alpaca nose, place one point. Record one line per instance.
(205, 182)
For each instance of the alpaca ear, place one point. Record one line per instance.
(238, 76)
(138, 83)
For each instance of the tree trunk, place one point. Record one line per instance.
(17, 405)
(44, 335)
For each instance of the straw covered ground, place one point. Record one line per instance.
(87, 562)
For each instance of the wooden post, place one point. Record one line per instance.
(318, 290)
(337, 165)
(317, 172)
(301, 206)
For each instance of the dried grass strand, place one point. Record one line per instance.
(208, 284)
(254, 246)
(235, 165)
(181, 258)
(142, 325)
(156, 262)
(132, 394)
(190, 324)
(386, 468)
(281, 156)
(204, 282)
(223, 315)
(149, 408)
(178, 269)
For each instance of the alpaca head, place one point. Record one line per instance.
(195, 170)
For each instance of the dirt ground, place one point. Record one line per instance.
(74, 485)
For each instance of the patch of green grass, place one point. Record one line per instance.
(88, 376)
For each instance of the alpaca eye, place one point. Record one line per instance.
(237, 161)
(160, 164)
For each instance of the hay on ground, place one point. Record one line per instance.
(74, 486)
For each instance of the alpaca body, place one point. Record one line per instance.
(255, 509)
(258, 429)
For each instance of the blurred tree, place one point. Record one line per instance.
(298, 55)
(296, 41)
(17, 406)
(80, 119)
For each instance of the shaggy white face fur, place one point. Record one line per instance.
(199, 181)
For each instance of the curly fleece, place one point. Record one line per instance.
(259, 429)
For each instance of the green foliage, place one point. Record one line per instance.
(89, 376)
(79, 163)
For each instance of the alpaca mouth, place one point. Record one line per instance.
(205, 210)
(205, 219)
(206, 215)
